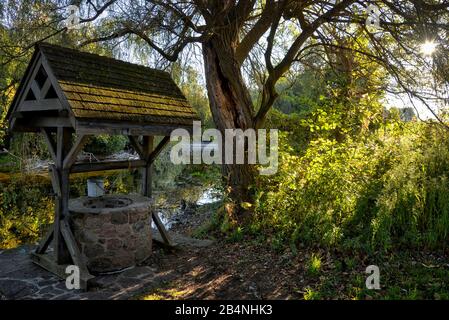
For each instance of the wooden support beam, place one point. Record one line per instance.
(73, 247)
(147, 148)
(150, 155)
(105, 166)
(154, 154)
(134, 140)
(73, 153)
(48, 262)
(63, 143)
(45, 242)
(160, 226)
(55, 180)
(51, 145)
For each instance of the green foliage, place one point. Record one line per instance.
(313, 265)
(188, 79)
(28, 146)
(25, 210)
(311, 294)
(105, 144)
(389, 188)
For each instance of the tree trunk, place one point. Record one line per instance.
(231, 108)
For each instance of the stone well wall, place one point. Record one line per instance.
(113, 232)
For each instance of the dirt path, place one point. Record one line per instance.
(251, 269)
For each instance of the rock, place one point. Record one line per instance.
(93, 251)
(119, 218)
(16, 289)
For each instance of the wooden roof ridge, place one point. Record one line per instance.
(89, 55)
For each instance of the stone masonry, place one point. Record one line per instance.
(113, 232)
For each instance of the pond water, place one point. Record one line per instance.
(172, 215)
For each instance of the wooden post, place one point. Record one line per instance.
(147, 148)
(63, 145)
(66, 249)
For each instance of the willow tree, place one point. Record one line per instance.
(272, 36)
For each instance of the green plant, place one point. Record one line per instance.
(105, 144)
(386, 188)
(311, 294)
(313, 265)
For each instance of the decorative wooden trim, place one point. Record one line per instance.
(40, 105)
(61, 96)
(36, 90)
(45, 88)
(29, 75)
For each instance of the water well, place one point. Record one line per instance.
(113, 232)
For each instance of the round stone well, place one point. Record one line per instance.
(113, 232)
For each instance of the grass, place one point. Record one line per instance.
(402, 277)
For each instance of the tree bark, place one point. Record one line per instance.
(231, 108)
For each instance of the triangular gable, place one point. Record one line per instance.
(38, 91)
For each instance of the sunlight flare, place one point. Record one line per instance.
(428, 48)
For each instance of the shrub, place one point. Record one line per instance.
(387, 188)
(25, 208)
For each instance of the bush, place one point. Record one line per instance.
(25, 209)
(388, 188)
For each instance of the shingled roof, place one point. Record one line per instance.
(99, 88)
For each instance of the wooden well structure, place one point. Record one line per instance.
(68, 96)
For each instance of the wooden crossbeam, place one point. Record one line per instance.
(41, 105)
(107, 165)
